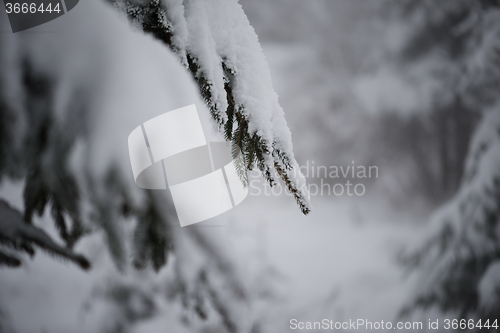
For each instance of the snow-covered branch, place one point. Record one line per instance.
(14, 232)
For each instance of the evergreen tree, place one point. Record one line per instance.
(459, 41)
(456, 263)
(60, 115)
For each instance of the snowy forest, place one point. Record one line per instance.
(369, 133)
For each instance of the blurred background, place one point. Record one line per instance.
(403, 86)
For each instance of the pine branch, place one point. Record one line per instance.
(233, 120)
(20, 235)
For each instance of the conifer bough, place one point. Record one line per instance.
(216, 43)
